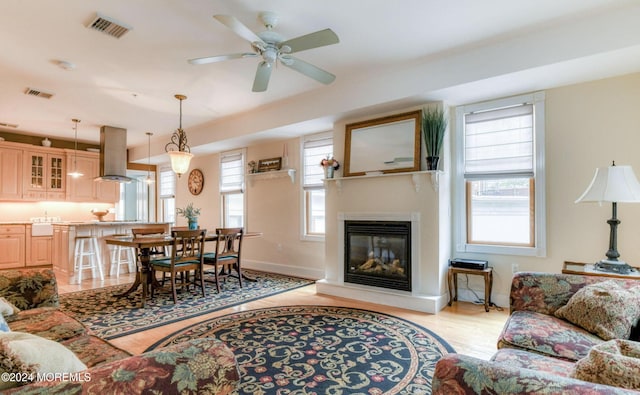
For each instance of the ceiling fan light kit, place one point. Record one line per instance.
(271, 47)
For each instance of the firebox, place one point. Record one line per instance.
(378, 253)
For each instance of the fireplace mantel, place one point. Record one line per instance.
(416, 178)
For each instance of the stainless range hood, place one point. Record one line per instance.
(113, 155)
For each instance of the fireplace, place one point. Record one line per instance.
(378, 253)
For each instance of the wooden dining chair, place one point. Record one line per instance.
(226, 256)
(186, 255)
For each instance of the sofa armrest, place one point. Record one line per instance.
(197, 366)
(461, 374)
(28, 289)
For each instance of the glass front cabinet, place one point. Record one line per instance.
(45, 175)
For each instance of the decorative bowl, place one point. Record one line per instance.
(99, 214)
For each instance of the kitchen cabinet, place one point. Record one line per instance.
(12, 245)
(40, 251)
(10, 173)
(84, 188)
(61, 257)
(45, 174)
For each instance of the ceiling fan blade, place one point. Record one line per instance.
(263, 74)
(220, 58)
(238, 28)
(309, 70)
(311, 40)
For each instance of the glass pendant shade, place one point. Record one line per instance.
(180, 161)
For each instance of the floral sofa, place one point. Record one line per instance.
(196, 366)
(544, 349)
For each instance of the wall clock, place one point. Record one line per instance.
(196, 181)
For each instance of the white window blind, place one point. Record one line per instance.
(167, 184)
(231, 172)
(499, 142)
(316, 148)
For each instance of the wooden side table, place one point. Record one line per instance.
(453, 283)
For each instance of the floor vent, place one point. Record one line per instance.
(108, 26)
(35, 92)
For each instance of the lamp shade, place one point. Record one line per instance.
(612, 184)
(180, 161)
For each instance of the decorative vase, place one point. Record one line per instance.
(432, 162)
(330, 172)
(193, 224)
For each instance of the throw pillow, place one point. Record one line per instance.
(604, 309)
(26, 353)
(7, 308)
(616, 363)
(4, 327)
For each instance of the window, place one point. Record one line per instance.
(500, 183)
(232, 188)
(314, 148)
(167, 195)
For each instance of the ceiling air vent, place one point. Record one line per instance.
(8, 125)
(35, 92)
(108, 26)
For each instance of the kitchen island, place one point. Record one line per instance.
(65, 233)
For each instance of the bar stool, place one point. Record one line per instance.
(87, 247)
(117, 259)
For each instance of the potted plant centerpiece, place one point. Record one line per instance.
(191, 214)
(434, 125)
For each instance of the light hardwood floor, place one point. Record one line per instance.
(465, 326)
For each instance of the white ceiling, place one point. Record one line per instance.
(391, 54)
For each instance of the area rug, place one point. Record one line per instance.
(324, 350)
(111, 317)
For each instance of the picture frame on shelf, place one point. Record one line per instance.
(389, 145)
(271, 164)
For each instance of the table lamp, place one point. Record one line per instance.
(615, 184)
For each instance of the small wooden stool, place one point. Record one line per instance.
(453, 283)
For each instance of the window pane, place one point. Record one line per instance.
(313, 172)
(315, 211)
(500, 211)
(233, 206)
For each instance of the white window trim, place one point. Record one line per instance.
(460, 215)
(303, 214)
(243, 152)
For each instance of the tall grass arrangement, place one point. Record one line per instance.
(434, 125)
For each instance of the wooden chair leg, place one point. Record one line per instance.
(217, 279)
(204, 295)
(173, 288)
(239, 273)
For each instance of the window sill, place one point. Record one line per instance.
(502, 250)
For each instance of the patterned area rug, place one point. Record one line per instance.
(324, 350)
(111, 317)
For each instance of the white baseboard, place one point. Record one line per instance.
(296, 271)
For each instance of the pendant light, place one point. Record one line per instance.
(149, 180)
(75, 173)
(178, 150)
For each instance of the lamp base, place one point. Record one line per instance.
(619, 267)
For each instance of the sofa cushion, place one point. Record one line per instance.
(604, 309)
(616, 363)
(93, 351)
(546, 335)
(529, 360)
(47, 322)
(36, 354)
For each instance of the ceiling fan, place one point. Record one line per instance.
(271, 47)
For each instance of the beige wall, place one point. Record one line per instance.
(273, 208)
(587, 126)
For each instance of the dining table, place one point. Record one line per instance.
(144, 244)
